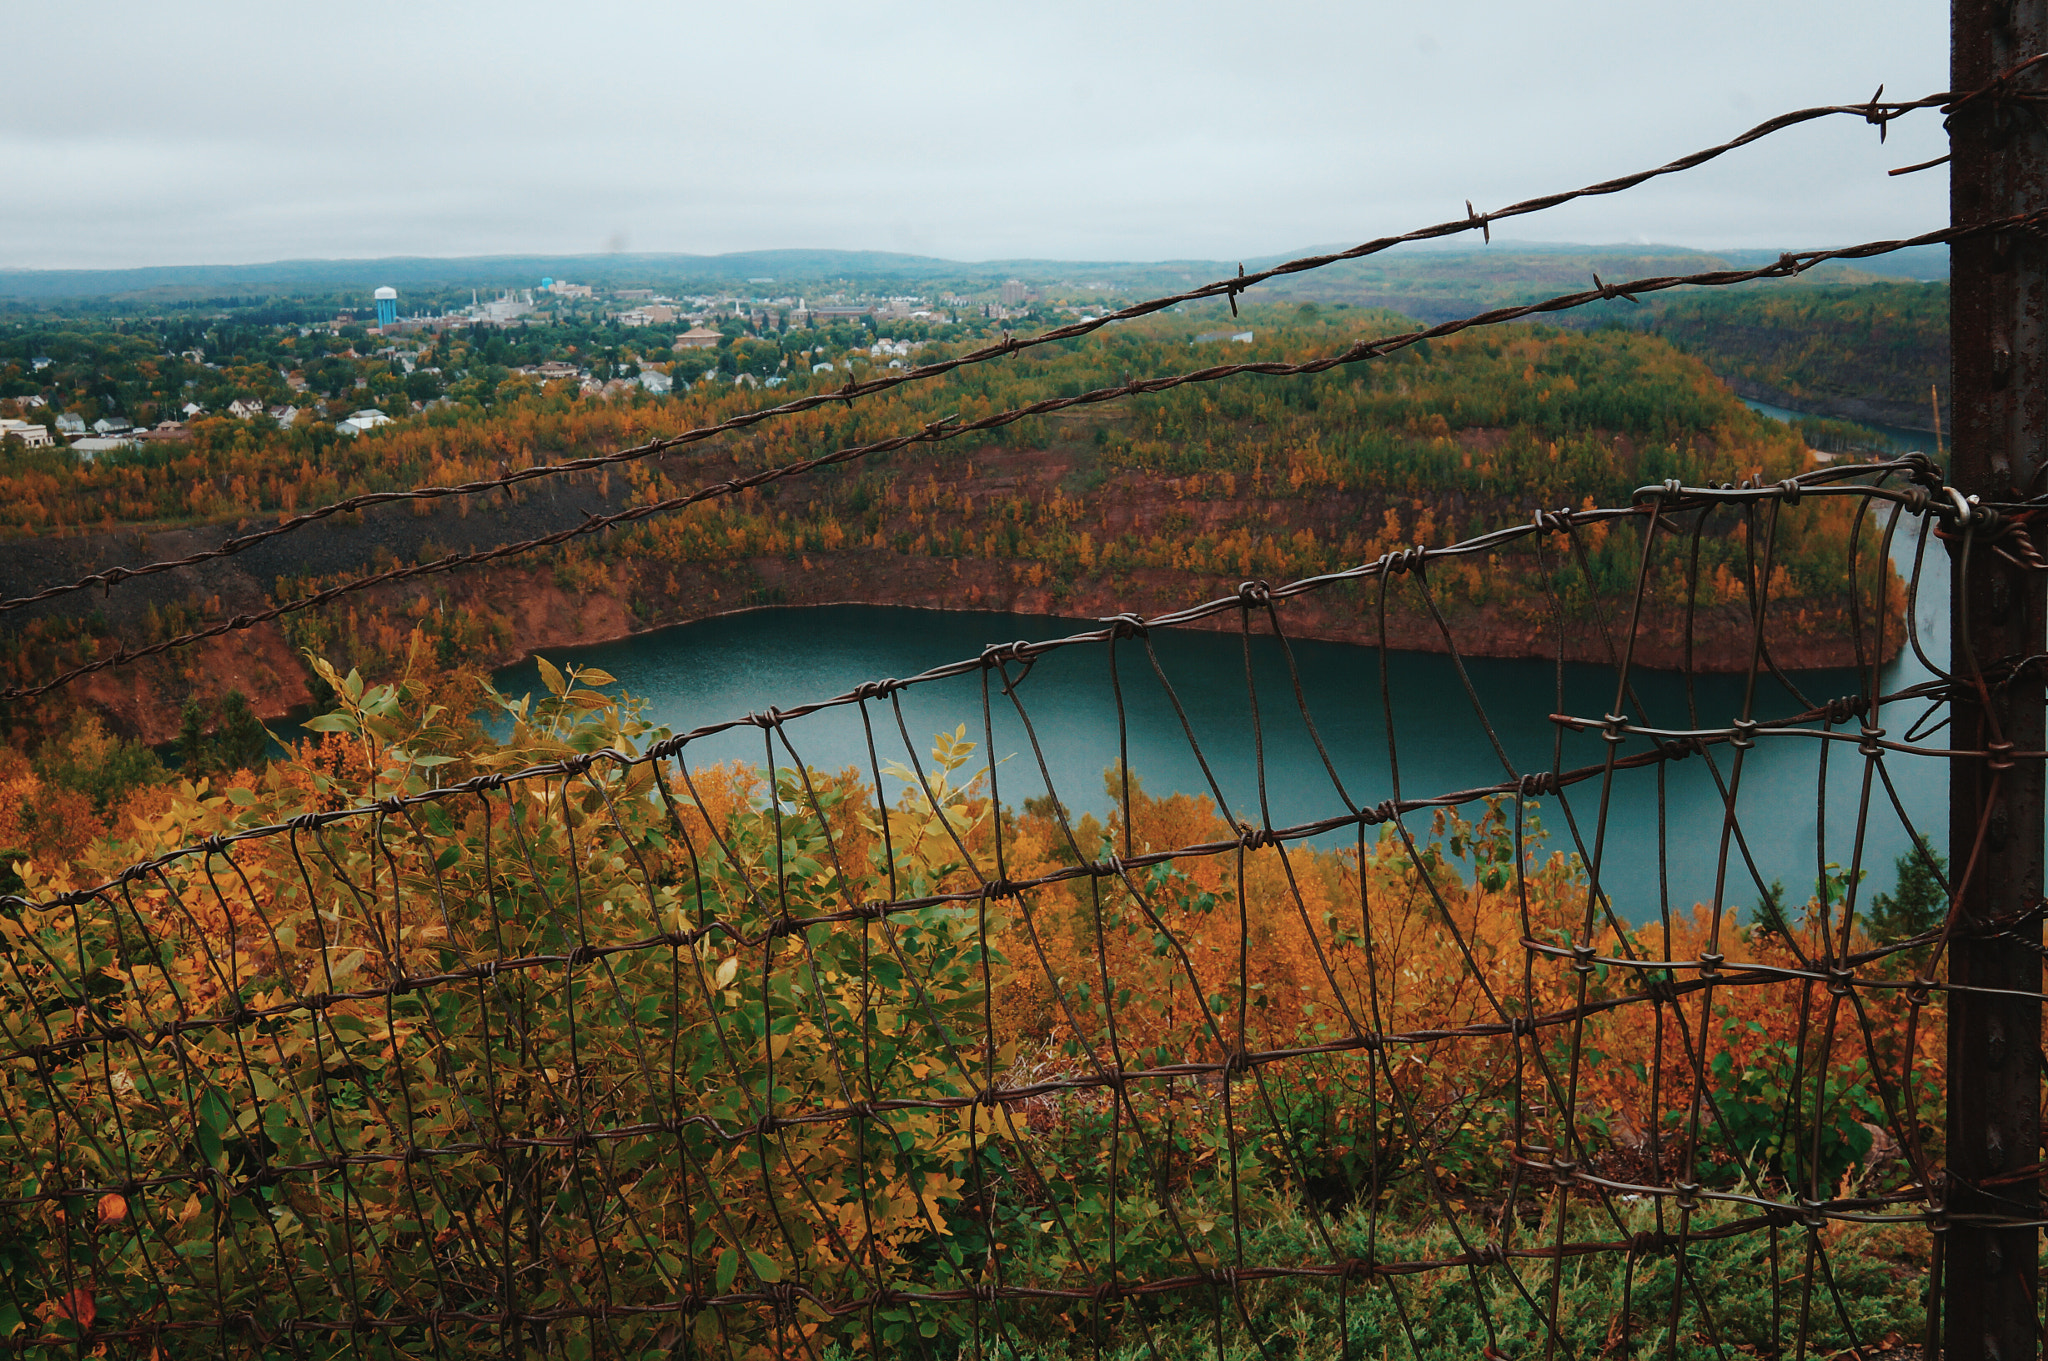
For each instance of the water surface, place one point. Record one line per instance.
(1270, 772)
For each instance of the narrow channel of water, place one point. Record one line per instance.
(1902, 440)
(723, 668)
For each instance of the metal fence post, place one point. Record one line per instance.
(2000, 398)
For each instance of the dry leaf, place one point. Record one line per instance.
(76, 1305)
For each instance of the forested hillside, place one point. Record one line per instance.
(1872, 352)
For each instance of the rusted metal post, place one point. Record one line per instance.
(2000, 402)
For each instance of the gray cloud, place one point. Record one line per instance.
(221, 131)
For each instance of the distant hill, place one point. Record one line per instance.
(1427, 282)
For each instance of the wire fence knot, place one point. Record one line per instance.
(1651, 1243)
(996, 654)
(1404, 560)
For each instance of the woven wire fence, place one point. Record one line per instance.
(590, 1045)
(604, 1050)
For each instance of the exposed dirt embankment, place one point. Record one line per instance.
(535, 610)
(145, 698)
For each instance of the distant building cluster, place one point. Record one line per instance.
(864, 330)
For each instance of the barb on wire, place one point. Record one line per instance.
(1787, 266)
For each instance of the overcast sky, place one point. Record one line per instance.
(146, 132)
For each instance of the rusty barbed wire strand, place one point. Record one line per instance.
(1787, 266)
(1880, 114)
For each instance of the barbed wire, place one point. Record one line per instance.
(1882, 115)
(936, 432)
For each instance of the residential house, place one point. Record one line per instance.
(362, 421)
(655, 382)
(112, 425)
(192, 411)
(167, 430)
(285, 416)
(33, 399)
(554, 369)
(698, 338)
(92, 446)
(34, 436)
(70, 424)
(245, 408)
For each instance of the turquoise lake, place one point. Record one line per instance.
(725, 668)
